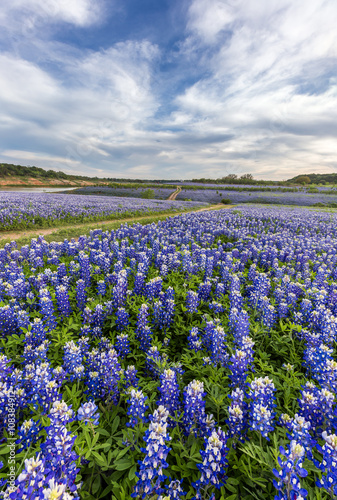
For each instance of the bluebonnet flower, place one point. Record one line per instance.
(328, 466)
(150, 475)
(239, 323)
(102, 375)
(216, 307)
(98, 316)
(36, 333)
(204, 290)
(119, 291)
(41, 388)
(214, 464)
(209, 333)
(23, 319)
(169, 391)
(299, 431)
(143, 332)
(37, 354)
(316, 359)
(83, 260)
(28, 434)
(217, 349)
(268, 314)
(123, 345)
(122, 319)
(238, 416)
(234, 318)
(63, 302)
(186, 264)
(88, 412)
(73, 361)
(139, 284)
(158, 314)
(29, 481)
(261, 412)
(288, 478)
(47, 308)
(219, 290)
(101, 287)
(239, 367)
(194, 408)
(173, 491)
(194, 341)
(310, 407)
(153, 288)
(261, 419)
(52, 472)
(283, 310)
(235, 300)
(136, 407)
(81, 294)
(130, 377)
(192, 301)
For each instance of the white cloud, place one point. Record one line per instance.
(34, 12)
(254, 81)
(207, 18)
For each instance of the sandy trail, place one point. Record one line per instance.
(14, 235)
(174, 194)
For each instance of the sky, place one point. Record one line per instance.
(174, 89)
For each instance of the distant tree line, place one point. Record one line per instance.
(11, 170)
(235, 179)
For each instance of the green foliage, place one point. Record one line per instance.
(148, 194)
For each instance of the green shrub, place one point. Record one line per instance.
(148, 194)
(226, 201)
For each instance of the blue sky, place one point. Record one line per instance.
(170, 89)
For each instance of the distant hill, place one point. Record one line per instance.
(314, 179)
(19, 175)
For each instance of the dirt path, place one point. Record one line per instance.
(175, 194)
(43, 232)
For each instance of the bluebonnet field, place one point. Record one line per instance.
(258, 187)
(298, 198)
(34, 210)
(193, 358)
(159, 193)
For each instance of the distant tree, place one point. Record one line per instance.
(303, 179)
(247, 177)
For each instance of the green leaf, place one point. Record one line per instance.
(115, 425)
(96, 484)
(123, 464)
(132, 472)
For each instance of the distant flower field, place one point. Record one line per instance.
(279, 198)
(140, 192)
(190, 359)
(30, 210)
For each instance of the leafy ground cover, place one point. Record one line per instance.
(192, 358)
(34, 210)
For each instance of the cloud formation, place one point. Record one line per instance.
(243, 87)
